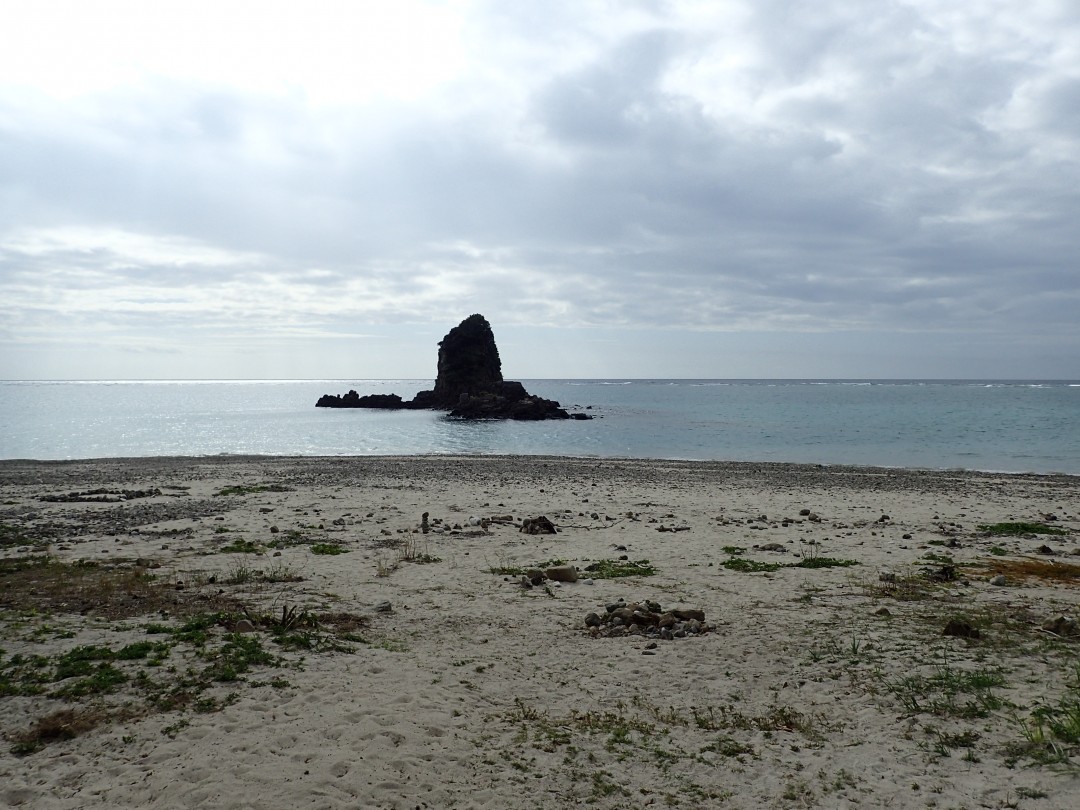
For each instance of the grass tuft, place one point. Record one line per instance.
(328, 549)
(249, 489)
(1018, 529)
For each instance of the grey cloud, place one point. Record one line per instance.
(893, 190)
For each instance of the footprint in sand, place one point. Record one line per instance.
(339, 769)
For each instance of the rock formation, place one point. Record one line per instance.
(469, 383)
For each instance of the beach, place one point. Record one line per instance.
(264, 632)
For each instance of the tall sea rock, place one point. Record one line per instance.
(469, 383)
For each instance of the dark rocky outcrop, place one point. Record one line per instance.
(469, 384)
(354, 400)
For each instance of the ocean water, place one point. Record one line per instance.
(1001, 425)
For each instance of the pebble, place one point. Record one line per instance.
(562, 573)
(998, 580)
(383, 607)
(1061, 626)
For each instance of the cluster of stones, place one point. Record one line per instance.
(535, 577)
(647, 619)
(430, 525)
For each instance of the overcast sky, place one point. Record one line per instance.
(727, 188)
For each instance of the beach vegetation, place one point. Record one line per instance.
(249, 489)
(328, 549)
(236, 656)
(280, 572)
(114, 590)
(823, 562)
(241, 546)
(941, 559)
(948, 691)
(746, 566)
(1019, 529)
(942, 743)
(12, 535)
(137, 671)
(240, 574)
(416, 551)
(289, 538)
(661, 741)
(617, 569)
(811, 559)
(99, 680)
(1028, 569)
(24, 675)
(64, 724)
(508, 570)
(384, 568)
(1030, 793)
(1051, 732)
(902, 589)
(598, 569)
(389, 644)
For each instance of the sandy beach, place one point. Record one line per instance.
(255, 632)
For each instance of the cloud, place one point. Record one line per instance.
(745, 167)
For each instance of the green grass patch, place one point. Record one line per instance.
(241, 546)
(100, 680)
(616, 569)
(823, 562)
(328, 549)
(950, 692)
(239, 654)
(141, 683)
(1017, 529)
(24, 675)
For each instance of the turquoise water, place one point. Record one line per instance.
(1016, 426)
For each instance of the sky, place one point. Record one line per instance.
(716, 189)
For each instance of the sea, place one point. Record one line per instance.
(991, 425)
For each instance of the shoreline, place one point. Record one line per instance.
(226, 458)
(316, 646)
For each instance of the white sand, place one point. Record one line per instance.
(475, 692)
